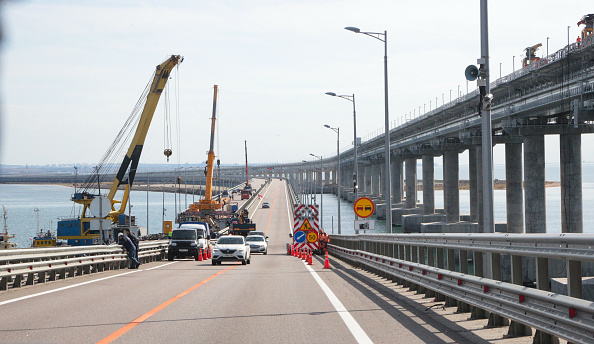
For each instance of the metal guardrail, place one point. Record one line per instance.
(33, 266)
(428, 261)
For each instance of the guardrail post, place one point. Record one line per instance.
(463, 307)
(475, 312)
(30, 278)
(574, 279)
(41, 277)
(17, 281)
(451, 263)
(517, 329)
(4, 283)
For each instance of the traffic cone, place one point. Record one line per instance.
(326, 262)
(209, 252)
(309, 259)
(304, 255)
(200, 256)
(204, 255)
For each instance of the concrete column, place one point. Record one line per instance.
(397, 180)
(513, 188)
(534, 184)
(383, 180)
(479, 187)
(411, 182)
(571, 183)
(368, 179)
(428, 185)
(472, 175)
(375, 178)
(362, 176)
(451, 189)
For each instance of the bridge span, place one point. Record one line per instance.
(275, 299)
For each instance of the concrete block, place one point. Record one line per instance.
(439, 210)
(398, 212)
(465, 217)
(559, 286)
(412, 223)
(461, 227)
(434, 218)
(380, 210)
(500, 227)
(432, 227)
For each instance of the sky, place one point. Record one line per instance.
(72, 71)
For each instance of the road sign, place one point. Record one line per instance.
(364, 207)
(312, 236)
(364, 225)
(306, 226)
(299, 236)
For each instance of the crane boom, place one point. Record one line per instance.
(211, 154)
(129, 163)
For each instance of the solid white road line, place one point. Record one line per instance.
(77, 285)
(348, 319)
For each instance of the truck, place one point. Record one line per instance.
(242, 228)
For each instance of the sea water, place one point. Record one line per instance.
(54, 203)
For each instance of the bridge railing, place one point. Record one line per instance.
(32, 266)
(428, 262)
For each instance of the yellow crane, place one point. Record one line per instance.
(82, 231)
(207, 203)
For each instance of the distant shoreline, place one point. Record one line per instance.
(199, 189)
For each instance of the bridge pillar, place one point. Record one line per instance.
(472, 176)
(383, 181)
(411, 182)
(514, 188)
(368, 179)
(451, 189)
(428, 185)
(397, 180)
(571, 183)
(375, 178)
(534, 183)
(362, 180)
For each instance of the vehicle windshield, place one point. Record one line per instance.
(254, 238)
(255, 233)
(180, 234)
(230, 241)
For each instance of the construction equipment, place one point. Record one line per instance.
(587, 20)
(246, 193)
(531, 55)
(86, 229)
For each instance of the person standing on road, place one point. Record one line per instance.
(129, 246)
(135, 241)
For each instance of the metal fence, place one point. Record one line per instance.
(31, 266)
(428, 262)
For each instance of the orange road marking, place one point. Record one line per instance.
(271, 207)
(155, 310)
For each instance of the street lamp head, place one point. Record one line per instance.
(327, 126)
(354, 29)
(331, 94)
(312, 154)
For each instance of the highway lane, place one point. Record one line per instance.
(275, 299)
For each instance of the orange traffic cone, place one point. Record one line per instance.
(304, 255)
(326, 262)
(204, 255)
(309, 259)
(200, 255)
(209, 252)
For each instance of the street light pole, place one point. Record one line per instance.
(356, 169)
(337, 131)
(387, 178)
(321, 190)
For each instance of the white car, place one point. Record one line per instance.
(258, 243)
(231, 248)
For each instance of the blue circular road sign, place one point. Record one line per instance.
(299, 236)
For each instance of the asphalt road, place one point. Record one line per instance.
(275, 299)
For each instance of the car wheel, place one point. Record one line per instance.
(266, 252)
(196, 257)
(249, 261)
(244, 262)
(170, 257)
(214, 263)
